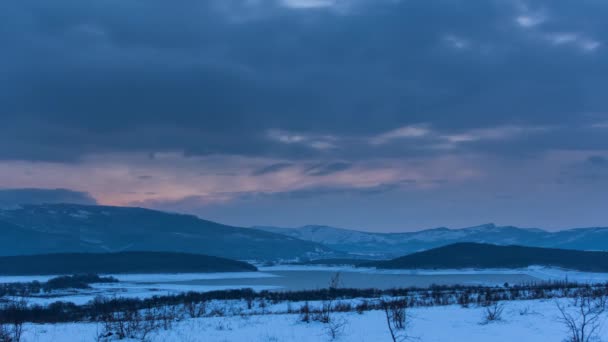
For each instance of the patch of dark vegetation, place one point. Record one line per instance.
(77, 281)
(192, 302)
(113, 263)
(478, 255)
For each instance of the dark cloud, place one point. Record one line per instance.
(593, 170)
(271, 169)
(324, 169)
(10, 197)
(598, 161)
(213, 77)
(319, 192)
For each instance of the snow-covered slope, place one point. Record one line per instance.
(397, 244)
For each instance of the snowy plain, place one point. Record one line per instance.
(534, 321)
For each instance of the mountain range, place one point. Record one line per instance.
(63, 228)
(76, 228)
(390, 245)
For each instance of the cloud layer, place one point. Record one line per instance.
(221, 77)
(222, 101)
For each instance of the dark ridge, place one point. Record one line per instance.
(72, 228)
(124, 262)
(478, 255)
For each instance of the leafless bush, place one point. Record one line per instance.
(195, 310)
(362, 307)
(327, 306)
(122, 325)
(493, 313)
(11, 328)
(262, 305)
(335, 281)
(136, 324)
(396, 318)
(343, 307)
(335, 327)
(583, 317)
(217, 311)
(323, 314)
(305, 313)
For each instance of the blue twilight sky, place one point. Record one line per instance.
(382, 115)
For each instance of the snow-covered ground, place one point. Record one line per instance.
(522, 321)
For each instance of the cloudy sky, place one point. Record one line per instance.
(382, 115)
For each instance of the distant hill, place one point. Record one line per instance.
(476, 255)
(390, 245)
(59, 228)
(125, 262)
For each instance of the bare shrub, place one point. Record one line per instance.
(343, 307)
(262, 305)
(362, 307)
(335, 281)
(305, 313)
(194, 309)
(493, 313)
(583, 317)
(136, 324)
(335, 327)
(324, 314)
(326, 310)
(11, 326)
(217, 311)
(396, 318)
(123, 325)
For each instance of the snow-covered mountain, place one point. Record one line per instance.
(384, 245)
(53, 228)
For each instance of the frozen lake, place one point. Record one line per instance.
(317, 279)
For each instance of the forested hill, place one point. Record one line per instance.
(113, 263)
(477, 255)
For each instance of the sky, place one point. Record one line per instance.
(379, 115)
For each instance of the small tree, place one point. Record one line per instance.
(335, 327)
(583, 317)
(396, 318)
(327, 306)
(336, 281)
